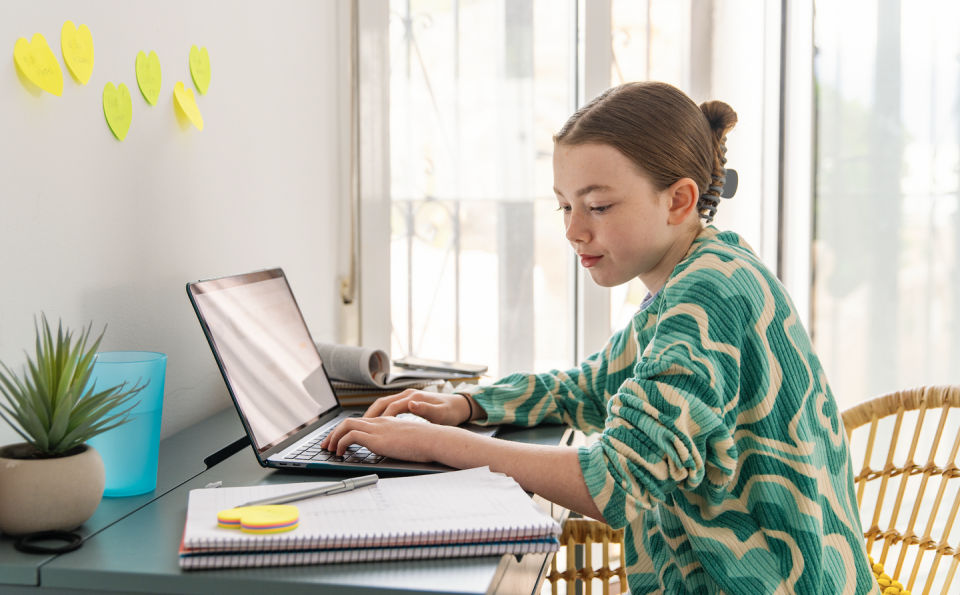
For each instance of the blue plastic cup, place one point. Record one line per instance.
(130, 452)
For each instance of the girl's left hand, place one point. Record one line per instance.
(402, 439)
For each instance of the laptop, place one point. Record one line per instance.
(276, 378)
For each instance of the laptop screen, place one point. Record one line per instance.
(266, 353)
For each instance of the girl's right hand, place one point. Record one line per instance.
(443, 409)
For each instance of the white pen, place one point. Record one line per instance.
(336, 488)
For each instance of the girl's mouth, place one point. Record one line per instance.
(587, 260)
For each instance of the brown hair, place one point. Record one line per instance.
(662, 131)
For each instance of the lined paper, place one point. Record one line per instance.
(471, 506)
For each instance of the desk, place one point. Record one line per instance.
(132, 542)
(181, 458)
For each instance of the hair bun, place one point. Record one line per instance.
(721, 119)
(720, 116)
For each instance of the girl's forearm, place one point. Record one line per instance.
(553, 472)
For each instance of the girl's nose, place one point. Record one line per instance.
(577, 228)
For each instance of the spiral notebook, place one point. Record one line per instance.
(461, 513)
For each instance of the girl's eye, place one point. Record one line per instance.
(602, 209)
(564, 208)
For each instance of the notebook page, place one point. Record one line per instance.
(470, 506)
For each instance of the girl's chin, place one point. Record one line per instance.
(606, 280)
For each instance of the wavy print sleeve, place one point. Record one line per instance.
(577, 397)
(671, 426)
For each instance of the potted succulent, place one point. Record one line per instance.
(54, 481)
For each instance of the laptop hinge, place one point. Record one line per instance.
(226, 452)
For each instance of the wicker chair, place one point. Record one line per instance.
(587, 532)
(908, 491)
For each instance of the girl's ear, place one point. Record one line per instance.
(683, 196)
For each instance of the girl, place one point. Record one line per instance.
(722, 450)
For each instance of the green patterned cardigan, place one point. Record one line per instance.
(722, 453)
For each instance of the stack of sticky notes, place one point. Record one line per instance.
(276, 518)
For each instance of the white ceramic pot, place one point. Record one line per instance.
(48, 494)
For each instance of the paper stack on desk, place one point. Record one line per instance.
(447, 515)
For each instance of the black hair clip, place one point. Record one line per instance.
(730, 183)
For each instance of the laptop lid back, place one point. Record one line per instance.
(266, 355)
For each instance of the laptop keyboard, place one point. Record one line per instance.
(311, 451)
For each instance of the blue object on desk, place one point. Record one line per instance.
(130, 452)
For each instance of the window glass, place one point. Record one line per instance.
(648, 41)
(886, 278)
(479, 262)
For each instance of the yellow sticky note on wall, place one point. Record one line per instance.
(37, 62)
(200, 68)
(148, 76)
(117, 109)
(184, 101)
(76, 43)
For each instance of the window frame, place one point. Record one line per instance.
(795, 218)
(373, 167)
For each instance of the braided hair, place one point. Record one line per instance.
(721, 119)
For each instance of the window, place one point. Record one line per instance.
(477, 90)
(887, 240)
(479, 266)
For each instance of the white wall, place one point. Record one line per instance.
(92, 229)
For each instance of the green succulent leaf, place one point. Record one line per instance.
(14, 426)
(50, 405)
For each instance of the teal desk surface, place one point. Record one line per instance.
(181, 458)
(133, 542)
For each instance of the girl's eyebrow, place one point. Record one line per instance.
(588, 189)
(593, 188)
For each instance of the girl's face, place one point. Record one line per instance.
(618, 224)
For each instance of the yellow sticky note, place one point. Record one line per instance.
(37, 62)
(185, 102)
(76, 43)
(148, 76)
(275, 518)
(200, 68)
(118, 109)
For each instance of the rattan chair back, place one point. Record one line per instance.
(907, 493)
(587, 532)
